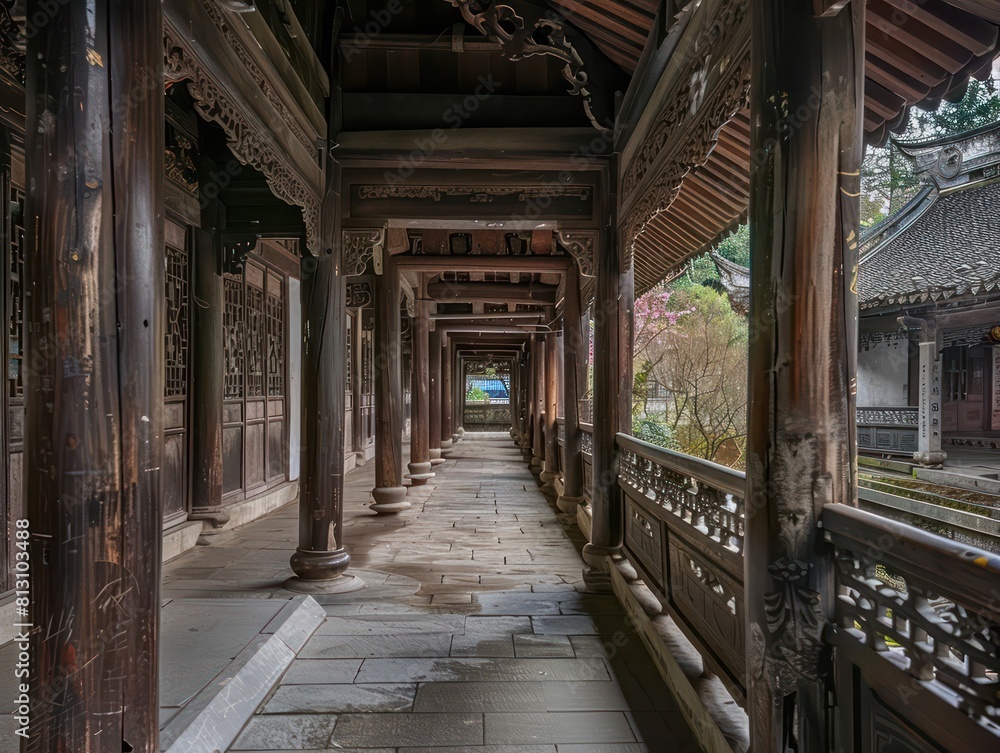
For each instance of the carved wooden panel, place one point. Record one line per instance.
(644, 539)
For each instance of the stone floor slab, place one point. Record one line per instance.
(290, 732)
(480, 696)
(558, 727)
(340, 699)
(418, 729)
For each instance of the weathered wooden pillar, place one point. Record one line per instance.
(574, 356)
(806, 138)
(95, 317)
(321, 560)
(420, 460)
(434, 398)
(208, 382)
(447, 396)
(612, 400)
(537, 404)
(550, 467)
(389, 493)
(355, 363)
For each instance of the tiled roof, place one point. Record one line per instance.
(951, 248)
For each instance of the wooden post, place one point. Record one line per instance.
(389, 493)
(420, 460)
(806, 138)
(550, 468)
(321, 560)
(95, 316)
(458, 385)
(612, 402)
(447, 397)
(537, 366)
(208, 382)
(434, 398)
(574, 355)
(355, 358)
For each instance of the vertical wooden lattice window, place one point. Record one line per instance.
(350, 355)
(275, 339)
(175, 383)
(255, 332)
(234, 328)
(15, 334)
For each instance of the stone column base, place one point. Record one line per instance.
(568, 505)
(419, 473)
(931, 459)
(389, 500)
(340, 585)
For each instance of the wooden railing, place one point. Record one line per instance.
(684, 534)
(916, 627)
(917, 633)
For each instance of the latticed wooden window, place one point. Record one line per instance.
(255, 331)
(15, 335)
(234, 329)
(275, 339)
(349, 383)
(177, 330)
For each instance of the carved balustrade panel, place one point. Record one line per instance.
(923, 606)
(684, 534)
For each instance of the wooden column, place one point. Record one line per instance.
(357, 394)
(550, 467)
(804, 208)
(447, 397)
(537, 366)
(612, 400)
(434, 398)
(389, 493)
(574, 358)
(321, 560)
(95, 311)
(207, 385)
(420, 460)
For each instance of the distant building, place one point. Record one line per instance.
(929, 298)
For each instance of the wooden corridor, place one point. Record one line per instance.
(470, 634)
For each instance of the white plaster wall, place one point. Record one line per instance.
(294, 376)
(883, 375)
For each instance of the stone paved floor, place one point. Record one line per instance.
(470, 636)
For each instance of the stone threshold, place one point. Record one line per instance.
(215, 715)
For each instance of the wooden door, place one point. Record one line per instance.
(176, 381)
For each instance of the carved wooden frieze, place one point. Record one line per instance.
(361, 246)
(712, 86)
(359, 294)
(523, 31)
(250, 136)
(12, 39)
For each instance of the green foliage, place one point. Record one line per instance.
(701, 270)
(476, 395)
(652, 430)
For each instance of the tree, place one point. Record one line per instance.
(694, 345)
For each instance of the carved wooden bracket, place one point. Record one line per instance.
(360, 247)
(529, 30)
(582, 245)
(249, 140)
(359, 295)
(235, 250)
(13, 40)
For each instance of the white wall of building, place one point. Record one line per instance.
(883, 372)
